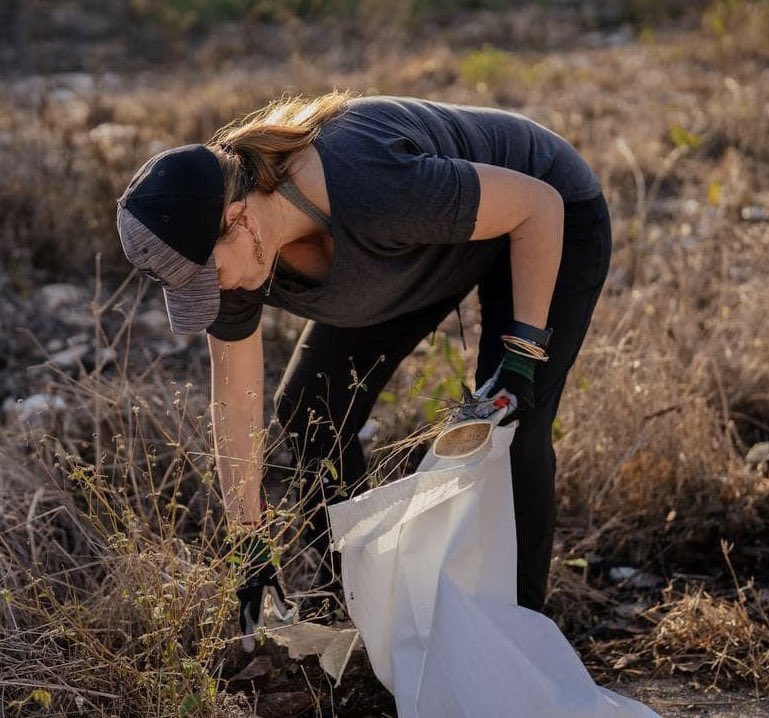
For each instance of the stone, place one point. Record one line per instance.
(69, 358)
(35, 410)
(369, 431)
(154, 320)
(758, 454)
(54, 297)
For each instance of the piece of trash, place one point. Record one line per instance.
(576, 562)
(369, 430)
(634, 577)
(333, 646)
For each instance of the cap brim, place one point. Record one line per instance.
(193, 307)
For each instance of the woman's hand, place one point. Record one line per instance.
(261, 579)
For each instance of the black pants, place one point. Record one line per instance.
(335, 376)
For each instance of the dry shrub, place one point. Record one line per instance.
(118, 596)
(742, 26)
(119, 574)
(720, 642)
(665, 402)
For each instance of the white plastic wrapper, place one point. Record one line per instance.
(429, 573)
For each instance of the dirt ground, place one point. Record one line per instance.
(674, 698)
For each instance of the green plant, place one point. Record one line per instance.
(487, 67)
(440, 378)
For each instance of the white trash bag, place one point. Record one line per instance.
(429, 573)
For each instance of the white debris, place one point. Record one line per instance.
(369, 431)
(54, 297)
(634, 577)
(758, 454)
(155, 320)
(69, 358)
(35, 409)
(333, 646)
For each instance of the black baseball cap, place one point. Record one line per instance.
(169, 219)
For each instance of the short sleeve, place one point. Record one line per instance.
(399, 196)
(239, 313)
(439, 201)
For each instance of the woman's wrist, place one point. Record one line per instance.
(530, 333)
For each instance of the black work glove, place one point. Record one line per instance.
(512, 384)
(261, 579)
(512, 381)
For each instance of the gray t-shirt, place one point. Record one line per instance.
(404, 198)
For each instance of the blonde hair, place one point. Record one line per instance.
(256, 151)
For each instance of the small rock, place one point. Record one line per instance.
(634, 577)
(631, 610)
(622, 573)
(80, 82)
(80, 338)
(369, 430)
(69, 358)
(57, 296)
(178, 344)
(35, 409)
(758, 454)
(107, 355)
(77, 317)
(155, 320)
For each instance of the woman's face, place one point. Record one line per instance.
(236, 252)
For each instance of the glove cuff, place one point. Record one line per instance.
(519, 364)
(254, 553)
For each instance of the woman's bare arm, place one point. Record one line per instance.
(237, 403)
(531, 212)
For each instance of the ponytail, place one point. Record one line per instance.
(256, 151)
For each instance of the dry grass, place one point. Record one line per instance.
(116, 585)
